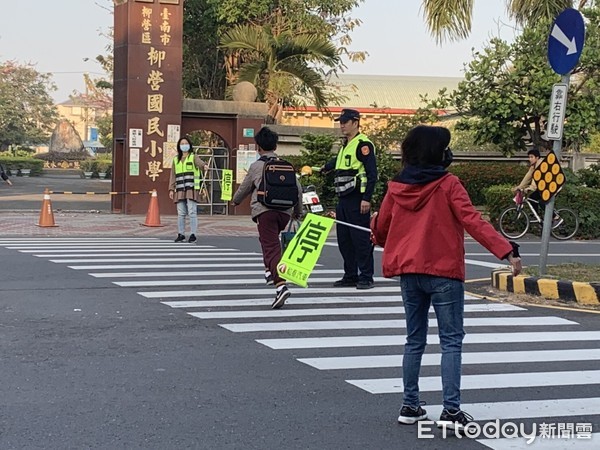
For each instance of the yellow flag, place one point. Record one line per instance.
(302, 253)
(227, 185)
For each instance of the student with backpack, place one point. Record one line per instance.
(276, 199)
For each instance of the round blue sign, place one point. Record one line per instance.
(565, 41)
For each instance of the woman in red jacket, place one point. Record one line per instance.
(421, 225)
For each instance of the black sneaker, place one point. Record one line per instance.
(280, 297)
(192, 238)
(365, 285)
(269, 279)
(180, 238)
(410, 415)
(454, 419)
(345, 282)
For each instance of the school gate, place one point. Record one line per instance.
(149, 113)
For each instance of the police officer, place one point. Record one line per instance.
(355, 176)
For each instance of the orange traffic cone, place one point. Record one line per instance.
(46, 214)
(153, 215)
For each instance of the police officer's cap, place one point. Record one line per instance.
(347, 114)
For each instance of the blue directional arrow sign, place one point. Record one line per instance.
(565, 42)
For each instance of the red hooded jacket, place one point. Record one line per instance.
(421, 228)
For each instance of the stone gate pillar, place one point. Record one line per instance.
(147, 102)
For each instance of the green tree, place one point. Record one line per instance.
(203, 61)
(505, 95)
(99, 92)
(389, 136)
(452, 19)
(207, 68)
(282, 65)
(387, 140)
(27, 111)
(105, 128)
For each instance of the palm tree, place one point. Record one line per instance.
(282, 65)
(451, 19)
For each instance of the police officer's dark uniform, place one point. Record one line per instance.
(355, 176)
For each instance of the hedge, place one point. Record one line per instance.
(13, 164)
(478, 176)
(583, 200)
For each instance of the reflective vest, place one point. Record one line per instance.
(348, 169)
(187, 175)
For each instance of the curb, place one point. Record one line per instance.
(570, 291)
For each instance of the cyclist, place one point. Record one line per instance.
(529, 187)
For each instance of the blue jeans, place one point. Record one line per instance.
(448, 299)
(187, 207)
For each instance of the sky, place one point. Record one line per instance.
(63, 37)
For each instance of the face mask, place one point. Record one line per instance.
(185, 147)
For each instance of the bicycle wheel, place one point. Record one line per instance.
(567, 225)
(513, 223)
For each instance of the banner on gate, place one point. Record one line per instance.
(227, 185)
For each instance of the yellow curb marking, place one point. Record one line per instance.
(503, 281)
(585, 293)
(519, 285)
(476, 280)
(548, 288)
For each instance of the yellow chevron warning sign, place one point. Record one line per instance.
(549, 176)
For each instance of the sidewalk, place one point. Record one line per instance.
(90, 215)
(74, 224)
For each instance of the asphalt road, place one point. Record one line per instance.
(27, 193)
(113, 344)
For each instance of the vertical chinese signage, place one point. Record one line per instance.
(558, 106)
(148, 60)
(155, 34)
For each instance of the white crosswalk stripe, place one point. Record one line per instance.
(145, 253)
(568, 442)
(243, 292)
(203, 273)
(487, 381)
(506, 348)
(331, 312)
(533, 409)
(374, 324)
(154, 283)
(433, 359)
(146, 258)
(397, 339)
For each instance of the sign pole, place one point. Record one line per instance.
(549, 212)
(565, 44)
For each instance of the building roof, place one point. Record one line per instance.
(387, 93)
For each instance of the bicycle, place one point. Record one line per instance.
(515, 221)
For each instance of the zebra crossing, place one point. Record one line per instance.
(540, 361)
